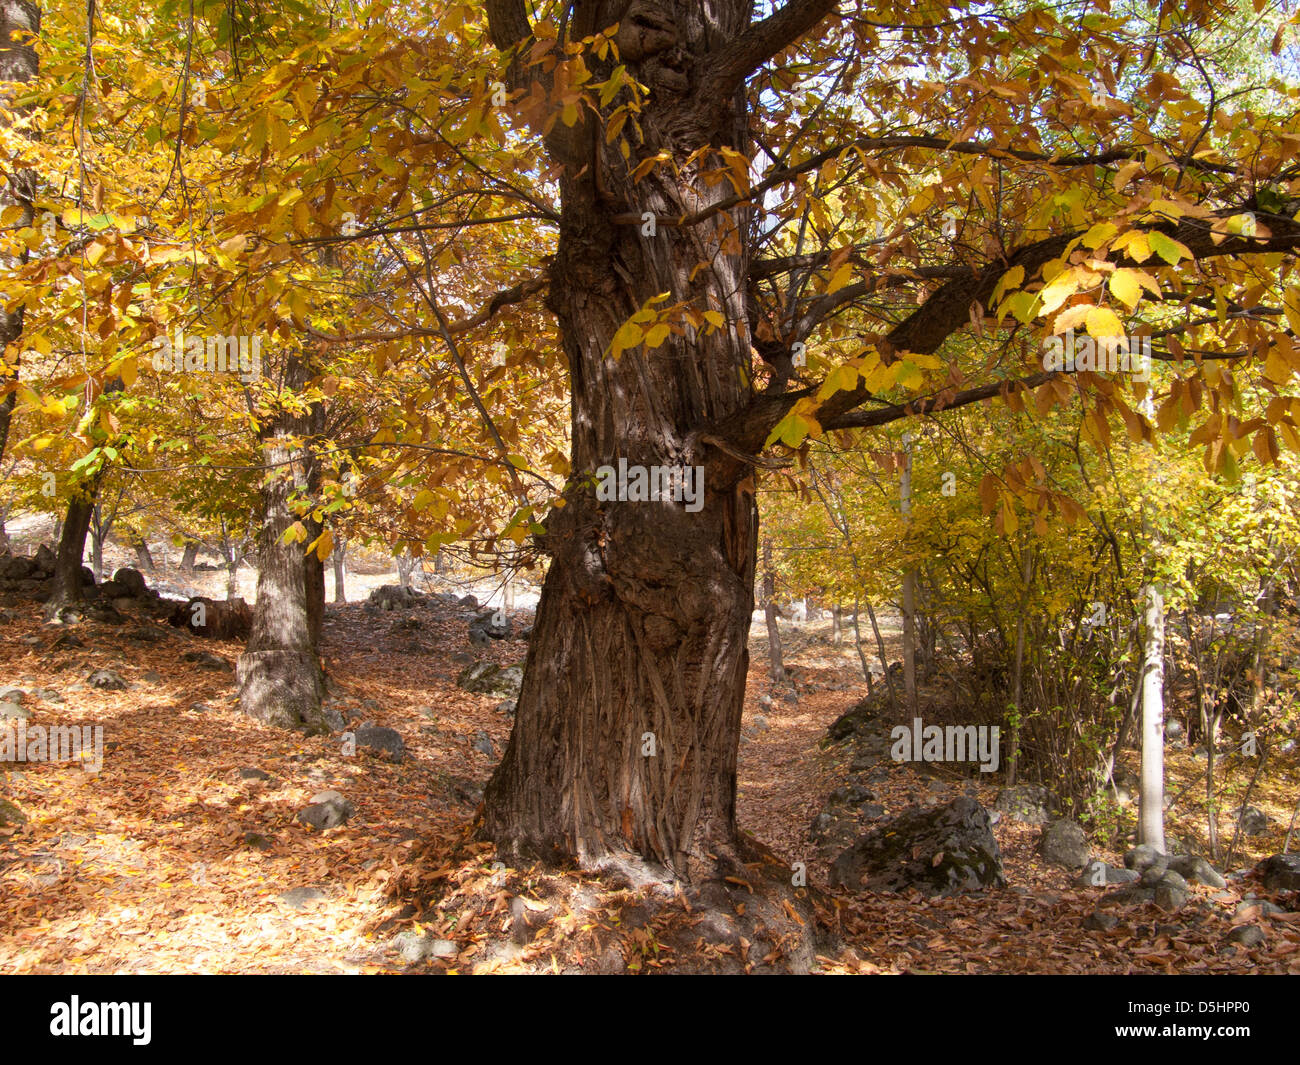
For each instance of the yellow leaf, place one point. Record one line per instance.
(1103, 323)
(1125, 287)
(628, 336)
(324, 545)
(840, 278)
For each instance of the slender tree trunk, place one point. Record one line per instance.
(279, 676)
(20, 21)
(1017, 683)
(837, 624)
(1151, 806)
(189, 557)
(339, 560)
(909, 587)
(143, 556)
(880, 650)
(777, 665)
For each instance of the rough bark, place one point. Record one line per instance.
(639, 643)
(143, 556)
(279, 675)
(72, 547)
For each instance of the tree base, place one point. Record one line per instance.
(622, 915)
(282, 688)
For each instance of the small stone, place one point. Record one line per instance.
(387, 740)
(1257, 908)
(13, 711)
(1100, 922)
(299, 897)
(483, 744)
(250, 773)
(107, 680)
(328, 810)
(1248, 935)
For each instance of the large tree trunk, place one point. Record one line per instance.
(628, 723)
(279, 675)
(72, 546)
(20, 21)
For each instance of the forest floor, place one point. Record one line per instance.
(183, 854)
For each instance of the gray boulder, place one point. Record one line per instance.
(945, 850)
(1171, 892)
(1063, 843)
(382, 739)
(1247, 935)
(1196, 870)
(487, 678)
(491, 625)
(1029, 803)
(328, 809)
(1099, 874)
(1281, 872)
(133, 581)
(394, 597)
(1254, 822)
(1142, 857)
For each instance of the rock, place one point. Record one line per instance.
(333, 718)
(760, 723)
(44, 559)
(49, 695)
(1141, 857)
(1254, 822)
(491, 625)
(1129, 895)
(483, 744)
(1197, 870)
(1100, 922)
(1099, 874)
(258, 841)
(1030, 803)
(150, 677)
(1257, 908)
(1063, 843)
(249, 773)
(13, 711)
(13, 695)
(507, 707)
(1281, 872)
(486, 678)
(17, 567)
(105, 614)
(10, 815)
(113, 590)
(200, 708)
(394, 597)
(207, 660)
(427, 711)
(382, 739)
(133, 581)
(1171, 892)
(299, 897)
(328, 809)
(468, 601)
(1155, 872)
(107, 680)
(946, 850)
(1247, 935)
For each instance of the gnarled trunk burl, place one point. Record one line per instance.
(628, 723)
